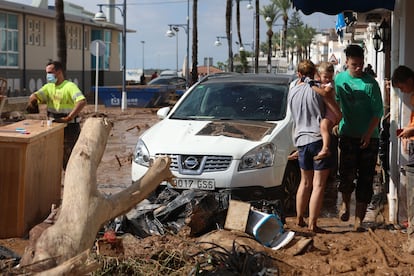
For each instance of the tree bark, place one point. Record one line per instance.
(84, 209)
(194, 72)
(229, 7)
(61, 33)
(77, 265)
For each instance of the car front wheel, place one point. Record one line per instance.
(291, 180)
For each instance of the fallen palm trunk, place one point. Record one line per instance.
(84, 209)
(77, 265)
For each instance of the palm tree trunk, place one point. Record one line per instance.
(61, 33)
(243, 58)
(238, 22)
(285, 23)
(194, 75)
(269, 54)
(229, 5)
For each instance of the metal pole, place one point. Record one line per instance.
(176, 51)
(253, 51)
(269, 54)
(143, 56)
(124, 93)
(187, 68)
(257, 37)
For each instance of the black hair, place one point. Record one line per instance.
(401, 74)
(57, 64)
(353, 50)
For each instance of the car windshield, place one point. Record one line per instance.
(234, 101)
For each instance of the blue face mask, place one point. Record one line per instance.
(51, 78)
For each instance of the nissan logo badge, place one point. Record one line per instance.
(191, 162)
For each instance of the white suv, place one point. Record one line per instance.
(230, 131)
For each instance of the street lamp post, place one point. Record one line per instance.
(173, 31)
(380, 39)
(100, 16)
(218, 43)
(269, 33)
(143, 43)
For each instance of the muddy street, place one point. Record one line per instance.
(341, 251)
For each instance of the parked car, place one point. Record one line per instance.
(169, 73)
(229, 131)
(175, 85)
(168, 80)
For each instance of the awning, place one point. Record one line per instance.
(334, 7)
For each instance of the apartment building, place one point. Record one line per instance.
(28, 41)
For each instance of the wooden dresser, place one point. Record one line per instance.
(31, 154)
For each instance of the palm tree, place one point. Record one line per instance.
(301, 36)
(238, 22)
(308, 34)
(194, 72)
(257, 38)
(243, 56)
(270, 14)
(61, 33)
(284, 7)
(229, 6)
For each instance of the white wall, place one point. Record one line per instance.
(402, 54)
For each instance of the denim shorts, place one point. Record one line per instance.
(308, 152)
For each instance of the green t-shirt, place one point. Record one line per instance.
(360, 100)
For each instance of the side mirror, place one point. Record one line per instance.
(163, 112)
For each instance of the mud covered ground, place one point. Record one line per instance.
(380, 251)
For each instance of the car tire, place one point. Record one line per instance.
(290, 184)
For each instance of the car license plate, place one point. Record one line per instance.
(189, 183)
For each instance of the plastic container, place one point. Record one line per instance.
(265, 228)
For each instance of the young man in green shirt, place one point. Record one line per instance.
(359, 98)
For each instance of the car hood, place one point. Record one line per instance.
(233, 138)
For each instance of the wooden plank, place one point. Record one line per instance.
(237, 215)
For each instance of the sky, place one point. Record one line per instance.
(150, 20)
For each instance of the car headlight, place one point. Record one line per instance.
(259, 157)
(141, 154)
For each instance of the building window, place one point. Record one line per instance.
(107, 41)
(97, 35)
(86, 40)
(105, 36)
(74, 37)
(9, 50)
(35, 32)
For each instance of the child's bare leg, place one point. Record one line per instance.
(326, 128)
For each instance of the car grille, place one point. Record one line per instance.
(197, 164)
